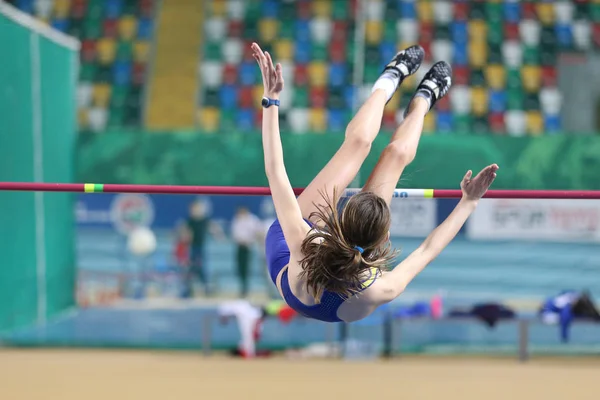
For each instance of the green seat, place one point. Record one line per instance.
(87, 72)
(514, 99)
(493, 12)
(548, 57)
(495, 34)
(286, 29)
(477, 10)
(211, 98)
(336, 99)
(130, 8)
(442, 32)
(228, 120)
(76, 27)
(287, 12)
(116, 117)
(92, 27)
(462, 124)
(319, 52)
(119, 96)
(582, 10)
(391, 11)
(350, 49)
(480, 125)
(595, 12)
(132, 115)
(531, 55)
(372, 55)
(389, 31)
(531, 102)
(372, 72)
(253, 11)
(513, 78)
(477, 77)
(212, 51)
(300, 99)
(124, 50)
(339, 10)
(250, 29)
(96, 8)
(495, 54)
(104, 74)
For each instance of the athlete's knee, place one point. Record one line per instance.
(400, 152)
(357, 142)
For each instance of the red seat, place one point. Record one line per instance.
(88, 50)
(248, 51)
(337, 51)
(427, 47)
(236, 29)
(528, 11)
(340, 30)
(461, 75)
(596, 34)
(511, 31)
(258, 117)
(426, 32)
(461, 11)
(304, 9)
(138, 74)
(301, 75)
(246, 97)
(230, 74)
(78, 9)
(389, 119)
(318, 97)
(110, 28)
(549, 76)
(496, 122)
(146, 7)
(443, 104)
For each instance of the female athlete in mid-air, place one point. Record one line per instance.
(331, 265)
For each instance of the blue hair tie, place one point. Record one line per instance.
(360, 249)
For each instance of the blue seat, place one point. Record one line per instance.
(247, 73)
(349, 92)
(459, 31)
(113, 8)
(444, 121)
(228, 96)
(245, 120)
(25, 6)
(461, 54)
(302, 52)
(302, 31)
(564, 35)
(497, 101)
(512, 11)
(61, 24)
(337, 74)
(407, 9)
(270, 8)
(145, 28)
(335, 120)
(552, 123)
(122, 72)
(387, 50)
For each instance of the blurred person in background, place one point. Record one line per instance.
(246, 230)
(567, 306)
(199, 226)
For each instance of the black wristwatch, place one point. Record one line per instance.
(267, 102)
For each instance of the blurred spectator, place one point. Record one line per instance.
(249, 320)
(181, 250)
(246, 229)
(566, 306)
(199, 226)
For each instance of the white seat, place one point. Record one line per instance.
(530, 32)
(211, 73)
(232, 51)
(97, 119)
(84, 94)
(286, 97)
(236, 9)
(582, 35)
(408, 30)
(215, 29)
(460, 101)
(43, 8)
(298, 119)
(512, 54)
(320, 29)
(550, 101)
(563, 11)
(375, 10)
(516, 122)
(443, 11)
(287, 70)
(442, 50)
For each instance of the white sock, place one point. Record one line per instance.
(388, 81)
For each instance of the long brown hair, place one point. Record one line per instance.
(344, 247)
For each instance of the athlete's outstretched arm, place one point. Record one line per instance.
(287, 208)
(395, 281)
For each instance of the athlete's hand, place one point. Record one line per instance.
(271, 75)
(474, 189)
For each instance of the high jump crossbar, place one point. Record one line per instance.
(265, 191)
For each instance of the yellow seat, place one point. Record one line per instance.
(284, 50)
(128, 27)
(545, 12)
(257, 92)
(374, 32)
(317, 73)
(425, 11)
(105, 49)
(61, 8)
(496, 76)
(477, 53)
(209, 119)
(429, 122)
(268, 29)
(478, 30)
(321, 8)
(141, 51)
(531, 76)
(479, 101)
(318, 120)
(219, 8)
(101, 95)
(535, 123)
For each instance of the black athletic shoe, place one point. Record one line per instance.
(406, 62)
(435, 84)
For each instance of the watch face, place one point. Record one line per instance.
(265, 102)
